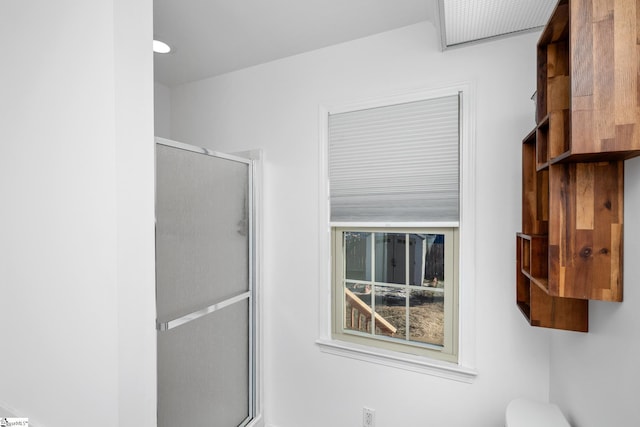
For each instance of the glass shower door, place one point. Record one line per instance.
(203, 287)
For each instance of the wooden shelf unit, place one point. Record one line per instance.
(588, 123)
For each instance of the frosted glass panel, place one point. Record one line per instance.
(202, 244)
(203, 375)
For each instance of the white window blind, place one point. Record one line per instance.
(398, 163)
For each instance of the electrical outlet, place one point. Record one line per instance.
(368, 417)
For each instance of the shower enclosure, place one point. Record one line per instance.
(205, 287)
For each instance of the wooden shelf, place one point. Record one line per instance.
(588, 94)
(534, 258)
(588, 123)
(543, 310)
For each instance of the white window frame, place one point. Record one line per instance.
(464, 368)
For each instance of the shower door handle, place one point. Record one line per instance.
(165, 326)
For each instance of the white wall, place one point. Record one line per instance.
(135, 218)
(594, 376)
(162, 110)
(275, 106)
(76, 223)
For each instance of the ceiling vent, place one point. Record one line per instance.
(467, 21)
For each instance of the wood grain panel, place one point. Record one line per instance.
(581, 49)
(604, 79)
(584, 196)
(554, 276)
(637, 21)
(553, 85)
(535, 190)
(624, 34)
(542, 202)
(528, 186)
(617, 287)
(541, 92)
(626, 136)
(559, 132)
(602, 9)
(586, 208)
(582, 127)
(558, 192)
(522, 284)
(560, 313)
(558, 24)
(542, 145)
(607, 241)
(579, 271)
(558, 93)
(604, 95)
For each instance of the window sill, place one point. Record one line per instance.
(407, 362)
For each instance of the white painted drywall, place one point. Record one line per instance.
(135, 218)
(275, 107)
(76, 223)
(162, 110)
(595, 376)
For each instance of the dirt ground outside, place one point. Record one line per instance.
(426, 321)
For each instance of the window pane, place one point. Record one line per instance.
(391, 311)
(434, 258)
(390, 257)
(357, 303)
(426, 316)
(426, 258)
(357, 255)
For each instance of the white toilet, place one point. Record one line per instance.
(529, 413)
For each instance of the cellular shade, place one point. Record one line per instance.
(397, 163)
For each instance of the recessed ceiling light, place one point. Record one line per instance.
(161, 47)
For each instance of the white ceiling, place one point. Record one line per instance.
(213, 37)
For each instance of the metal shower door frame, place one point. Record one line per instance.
(253, 409)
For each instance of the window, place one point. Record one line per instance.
(400, 233)
(396, 288)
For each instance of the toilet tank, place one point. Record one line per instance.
(529, 413)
